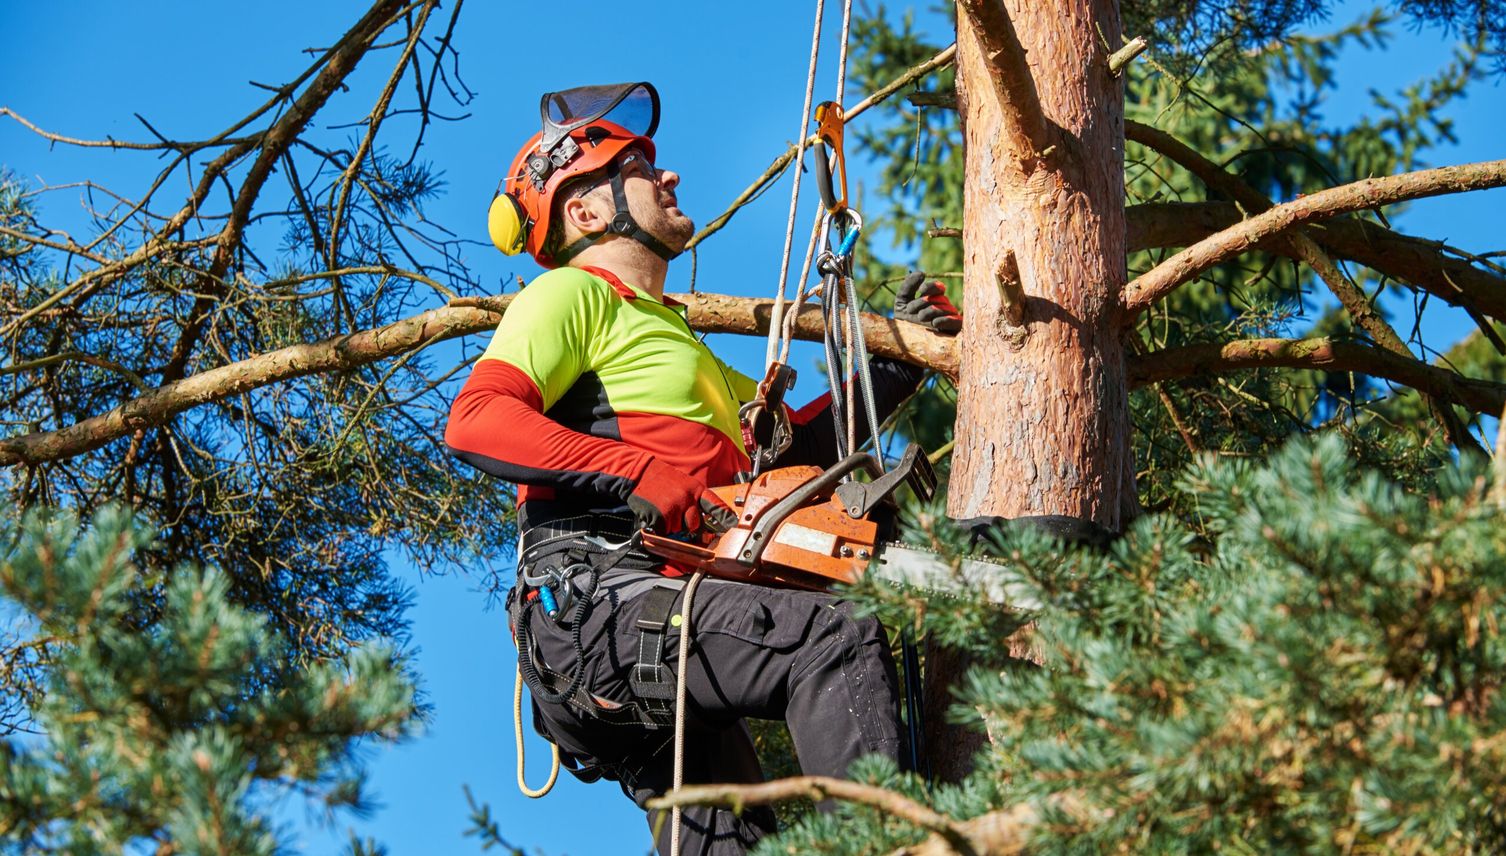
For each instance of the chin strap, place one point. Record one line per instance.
(622, 225)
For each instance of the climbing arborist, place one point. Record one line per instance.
(598, 400)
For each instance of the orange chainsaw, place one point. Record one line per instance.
(803, 527)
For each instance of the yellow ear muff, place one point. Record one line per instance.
(507, 224)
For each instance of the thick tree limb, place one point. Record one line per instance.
(341, 353)
(707, 312)
(1304, 248)
(736, 797)
(711, 313)
(1318, 353)
(1369, 193)
(1422, 263)
(1024, 123)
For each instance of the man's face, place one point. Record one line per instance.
(651, 199)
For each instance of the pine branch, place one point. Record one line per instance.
(1368, 193)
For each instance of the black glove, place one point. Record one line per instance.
(669, 501)
(926, 304)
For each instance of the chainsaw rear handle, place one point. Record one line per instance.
(763, 529)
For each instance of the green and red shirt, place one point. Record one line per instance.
(588, 378)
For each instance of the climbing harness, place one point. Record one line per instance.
(559, 576)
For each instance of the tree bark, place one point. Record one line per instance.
(1043, 414)
(1043, 404)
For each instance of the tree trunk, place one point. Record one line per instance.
(1043, 412)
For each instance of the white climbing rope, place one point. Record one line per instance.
(680, 670)
(789, 231)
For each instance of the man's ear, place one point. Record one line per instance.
(586, 214)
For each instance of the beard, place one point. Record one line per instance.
(673, 228)
(669, 225)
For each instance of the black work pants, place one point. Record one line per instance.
(755, 652)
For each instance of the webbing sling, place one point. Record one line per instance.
(649, 679)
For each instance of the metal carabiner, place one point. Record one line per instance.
(829, 132)
(838, 261)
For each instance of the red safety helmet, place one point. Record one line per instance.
(586, 130)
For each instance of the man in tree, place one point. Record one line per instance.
(598, 400)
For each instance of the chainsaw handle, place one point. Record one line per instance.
(769, 520)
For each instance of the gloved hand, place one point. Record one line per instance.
(668, 501)
(926, 304)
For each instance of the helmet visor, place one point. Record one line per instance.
(632, 106)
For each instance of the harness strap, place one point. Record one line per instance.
(650, 681)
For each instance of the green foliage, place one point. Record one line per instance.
(299, 492)
(1312, 664)
(172, 732)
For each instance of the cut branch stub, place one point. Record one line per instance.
(1126, 55)
(1012, 301)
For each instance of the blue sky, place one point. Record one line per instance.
(731, 75)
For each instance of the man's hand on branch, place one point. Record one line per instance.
(926, 304)
(668, 501)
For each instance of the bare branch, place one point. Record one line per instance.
(707, 313)
(821, 788)
(940, 60)
(1322, 354)
(110, 143)
(80, 357)
(1369, 193)
(1429, 265)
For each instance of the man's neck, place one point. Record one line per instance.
(632, 262)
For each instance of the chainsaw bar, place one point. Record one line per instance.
(904, 566)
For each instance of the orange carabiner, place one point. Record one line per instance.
(829, 132)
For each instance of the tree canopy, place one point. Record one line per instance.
(243, 355)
